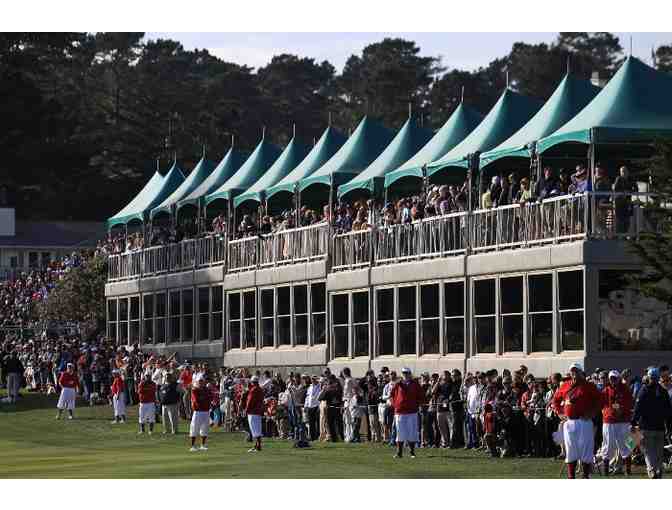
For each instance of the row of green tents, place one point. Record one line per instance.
(634, 107)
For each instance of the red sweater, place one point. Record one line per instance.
(255, 400)
(117, 386)
(200, 399)
(617, 404)
(147, 392)
(581, 400)
(407, 397)
(68, 380)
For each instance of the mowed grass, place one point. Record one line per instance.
(35, 445)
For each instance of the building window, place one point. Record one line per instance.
(511, 313)
(161, 314)
(33, 259)
(485, 326)
(430, 318)
(267, 318)
(112, 319)
(187, 315)
(407, 314)
(540, 312)
(300, 300)
(123, 321)
(148, 318)
(360, 323)
(135, 320)
(385, 321)
(284, 307)
(235, 330)
(174, 310)
(250, 318)
(203, 313)
(570, 301)
(340, 313)
(629, 320)
(453, 298)
(46, 258)
(318, 313)
(217, 312)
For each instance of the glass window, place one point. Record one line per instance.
(407, 325)
(250, 319)
(112, 310)
(123, 309)
(630, 320)
(161, 304)
(485, 325)
(570, 300)
(430, 318)
(187, 302)
(217, 303)
(360, 317)
(284, 316)
(203, 300)
(148, 314)
(135, 308)
(148, 306)
(340, 313)
(511, 313)
(385, 323)
(267, 318)
(187, 315)
(318, 310)
(300, 314)
(233, 299)
(540, 312)
(454, 317)
(203, 314)
(217, 298)
(175, 303)
(174, 332)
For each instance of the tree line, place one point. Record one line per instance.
(83, 117)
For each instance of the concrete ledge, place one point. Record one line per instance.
(209, 275)
(240, 358)
(420, 270)
(346, 280)
(292, 356)
(246, 279)
(292, 273)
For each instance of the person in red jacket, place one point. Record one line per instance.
(617, 403)
(200, 417)
(254, 408)
(576, 402)
(69, 383)
(118, 397)
(407, 397)
(147, 409)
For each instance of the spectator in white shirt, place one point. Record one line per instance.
(311, 408)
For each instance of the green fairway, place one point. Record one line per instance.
(34, 445)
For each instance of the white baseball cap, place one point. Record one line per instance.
(405, 370)
(254, 378)
(576, 366)
(614, 373)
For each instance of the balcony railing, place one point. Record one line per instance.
(560, 219)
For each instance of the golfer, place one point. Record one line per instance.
(69, 384)
(200, 417)
(407, 397)
(576, 402)
(118, 398)
(147, 410)
(254, 408)
(616, 417)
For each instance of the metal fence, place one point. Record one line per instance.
(559, 219)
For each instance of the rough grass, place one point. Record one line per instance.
(34, 445)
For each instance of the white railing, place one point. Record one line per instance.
(432, 237)
(352, 250)
(554, 220)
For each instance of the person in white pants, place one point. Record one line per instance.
(69, 382)
(118, 398)
(348, 393)
(616, 416)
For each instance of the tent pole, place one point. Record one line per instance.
(470, 184)
(297, 203)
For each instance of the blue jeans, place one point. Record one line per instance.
(472, 437)
(393, 434)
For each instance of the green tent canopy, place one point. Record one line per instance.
(364, 145)
(330, 141)
(510, 113)
(458, 126)
(293, 154)
(408, 141)
(260, 160)
(568, 99)
(635, 106)
(228, 166)
(200, 172)
(139, 204)
(145, 201)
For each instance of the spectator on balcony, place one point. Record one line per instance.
(247, 226)
(219, 224)
(547, 186)
(513, 188)
(581, 183)
(623, 203)
(564, 182)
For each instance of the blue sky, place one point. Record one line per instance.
(462, 50)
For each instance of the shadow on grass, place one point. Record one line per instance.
(35, 401)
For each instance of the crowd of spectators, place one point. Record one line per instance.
(507, 414)
(23, 290)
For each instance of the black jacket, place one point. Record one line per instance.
(652, 408)
(168, 394)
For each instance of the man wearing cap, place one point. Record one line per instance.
(69, 384)
(200, 416)
(616, 417)
(254, 408)
(577, 401)
(653, 411)
(407, 397)
(147, 408)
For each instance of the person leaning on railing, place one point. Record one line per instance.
(623, 203)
